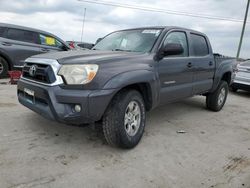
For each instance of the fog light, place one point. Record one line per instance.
(78, 108)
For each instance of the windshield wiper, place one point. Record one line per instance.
(117, 49)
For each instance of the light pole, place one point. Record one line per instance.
(243, 30)
(83, 21)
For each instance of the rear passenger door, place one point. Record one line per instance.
(20, 44)
(203, 61)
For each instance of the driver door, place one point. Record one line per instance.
(176, 72)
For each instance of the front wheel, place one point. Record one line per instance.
(124, 120)
(216, 100)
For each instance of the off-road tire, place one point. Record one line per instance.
(212, 99)
(114, 120)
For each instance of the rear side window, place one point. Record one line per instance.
(22, 35)
(200, 47)
(50, 41)
(2, 30)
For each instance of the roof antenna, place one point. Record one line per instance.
(83, 21)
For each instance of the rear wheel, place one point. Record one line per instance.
(3, 67)
(216, 100)
(124, 120)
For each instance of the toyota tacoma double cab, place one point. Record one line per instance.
(124, 75)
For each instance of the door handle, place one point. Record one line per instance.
(44, 49)
(210, 63)
(189, 65)
(6, 44)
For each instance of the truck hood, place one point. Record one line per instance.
(91, 56)
(111, 63)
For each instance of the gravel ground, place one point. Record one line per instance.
(214, 151)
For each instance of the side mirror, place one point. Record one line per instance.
(65, 48)
(172, 49)
(98, 40)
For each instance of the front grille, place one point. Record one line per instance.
(44, 73)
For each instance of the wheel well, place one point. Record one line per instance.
(227, 77)
(7, 60)
(145, 90)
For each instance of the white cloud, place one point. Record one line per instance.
(64, 19)
(122, 13)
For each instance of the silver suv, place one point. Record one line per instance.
(242, 77)
(18, 43)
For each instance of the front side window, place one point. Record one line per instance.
(137, 40)
(22, 35)
(200, 47)
(178, 38)
(49, 41)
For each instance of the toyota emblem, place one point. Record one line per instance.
(32, 70)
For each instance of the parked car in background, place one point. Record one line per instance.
(242, 77)
(126, 74)
(80, 45)
(18, 43)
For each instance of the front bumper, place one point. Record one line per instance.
(56, 103)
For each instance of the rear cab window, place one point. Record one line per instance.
(22, 35)
(199, 45)
(49, 41)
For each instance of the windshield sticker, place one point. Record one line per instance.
(124, 43)
(152, 31)
(50, 41)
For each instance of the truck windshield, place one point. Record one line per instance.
(137, 40)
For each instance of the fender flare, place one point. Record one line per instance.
(128, 78)
(224, 68)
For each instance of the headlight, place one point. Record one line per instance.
(78, 74)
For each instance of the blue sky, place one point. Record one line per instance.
(64, 18)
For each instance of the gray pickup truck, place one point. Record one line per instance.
(126, 74)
